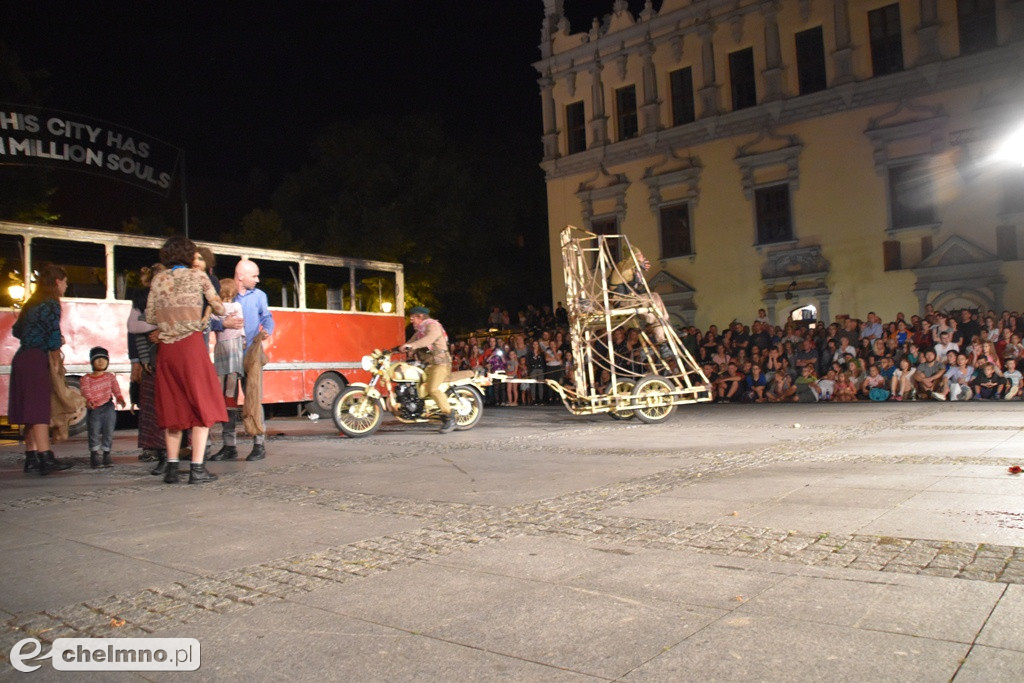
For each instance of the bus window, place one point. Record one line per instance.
(128, 262)
(328, 288)
(85, 263)
(375, 291)
(11, 269)
(280, 281)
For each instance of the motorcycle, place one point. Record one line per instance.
(399, 388)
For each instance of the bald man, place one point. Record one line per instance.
(256, 317)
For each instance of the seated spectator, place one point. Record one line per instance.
(806, 385)
(958, 378)
(728, 385)
(781, 390)
(845, 391)
(827, 386)
(902, 382)
(930, 377)
(873, 380)
(945, 345)
(755, 384)
(886, 368)
(987, 385)
(1013, 377)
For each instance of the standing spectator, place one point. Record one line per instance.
(227, 359)
(256, 318)
(100, 390)
(512, 388)
(142, 348)
(872, 328)
(536, 365)
(38, 328)
(187, 393)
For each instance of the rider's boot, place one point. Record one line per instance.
(448, 423)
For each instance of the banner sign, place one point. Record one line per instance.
(31, 136)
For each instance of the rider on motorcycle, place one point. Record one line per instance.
(430, 335)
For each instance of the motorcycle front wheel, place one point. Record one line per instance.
(355, 413)
(467, 405)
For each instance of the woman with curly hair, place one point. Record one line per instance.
(38, 328)
(188, 393)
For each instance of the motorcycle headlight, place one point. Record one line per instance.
(368, 363)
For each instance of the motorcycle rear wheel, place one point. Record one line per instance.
(468, 409)
(355, 414)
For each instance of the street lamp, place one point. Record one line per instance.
(1012, 148)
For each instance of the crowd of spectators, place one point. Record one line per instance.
(956, 356)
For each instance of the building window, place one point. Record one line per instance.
(1006, 242)
(1013, 192)
(681, 85)
(576, 127)
(608, 225)
(911, 199)
(891, 257)
(810, 60)
(976, 20)
(741, 75)
(675, 231)
(886, 40)
(625, 109)
(774, 223)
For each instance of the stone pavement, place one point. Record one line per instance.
(822, 542)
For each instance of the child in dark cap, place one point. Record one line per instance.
(100, 390)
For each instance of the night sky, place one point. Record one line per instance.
(244, 87)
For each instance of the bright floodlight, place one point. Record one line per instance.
(1012, 148)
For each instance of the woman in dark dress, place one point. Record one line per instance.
(38, 328)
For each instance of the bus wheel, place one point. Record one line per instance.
(78, 422)
(468, 406)
(356, 414)
(655, 398)
(326, 389)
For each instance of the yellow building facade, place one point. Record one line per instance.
(829, 156)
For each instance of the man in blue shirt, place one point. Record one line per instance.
(256, 317)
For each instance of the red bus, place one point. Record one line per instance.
(328, 311)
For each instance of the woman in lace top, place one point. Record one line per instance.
(188, 394)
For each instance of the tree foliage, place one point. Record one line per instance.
(464, 223)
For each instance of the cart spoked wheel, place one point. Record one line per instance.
(655, 399)
(621, 389)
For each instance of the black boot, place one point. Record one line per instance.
(161, 462)
(225, 453)
(258, 452)
(94, 459)
(171, 472)
(448, 424)
(48, 463)
(31, 461)
(199, 475)
(107, 462)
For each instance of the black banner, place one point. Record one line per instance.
(31, 136)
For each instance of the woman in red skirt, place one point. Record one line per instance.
(188, 394)
(38, 328)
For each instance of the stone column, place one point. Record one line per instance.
(709, 93)
(842, 58)
(599, 122)
(547, 100)
(928, 33)
(773, 52)
(649, 119)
